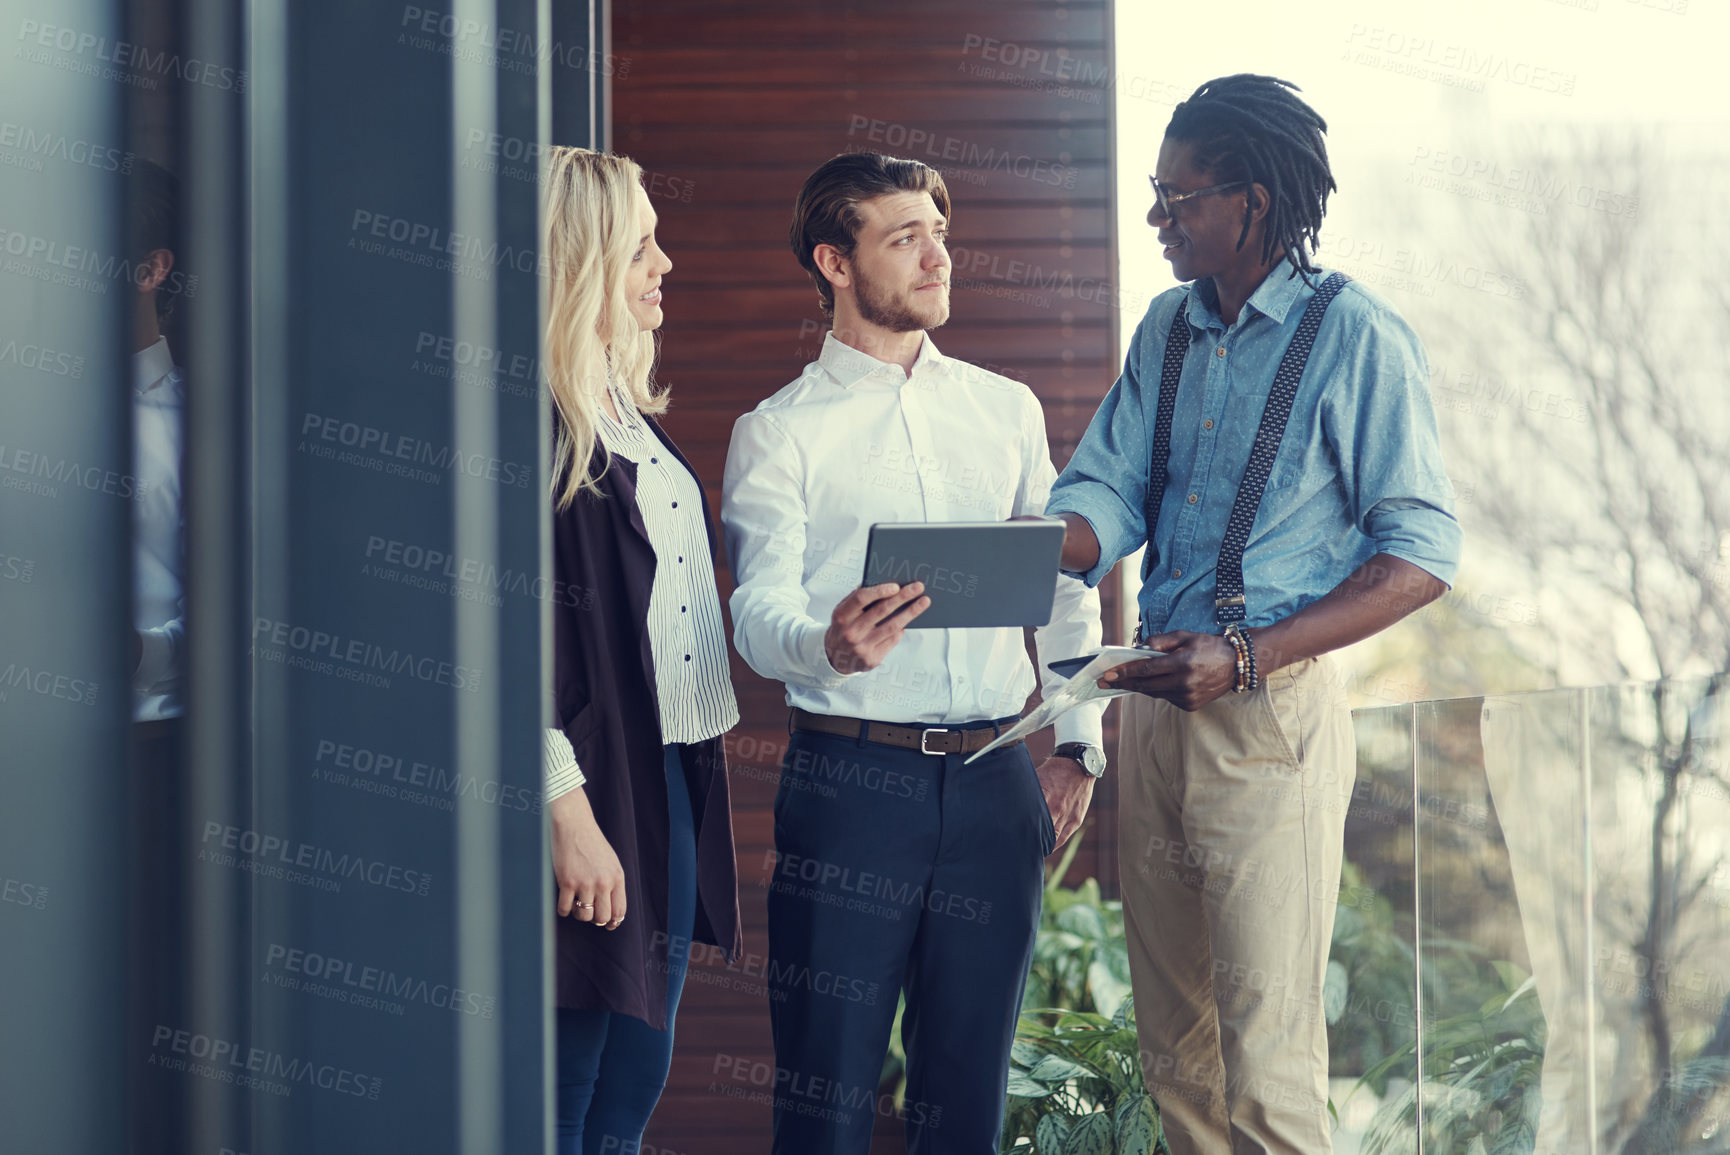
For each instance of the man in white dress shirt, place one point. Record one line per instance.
(896, 866)
(158, 636)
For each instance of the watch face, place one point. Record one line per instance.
(1092, 758)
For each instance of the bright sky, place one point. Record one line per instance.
(1395, 78)
(1529, 61)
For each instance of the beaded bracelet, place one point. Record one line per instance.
(1248, 677)
(1236, 639)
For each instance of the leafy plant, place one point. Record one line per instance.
(1075, 1084)
(1080, 959)
(1370, 992)
(1480, 1089)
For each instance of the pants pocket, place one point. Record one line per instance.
(1283, 715)
(1047, 827)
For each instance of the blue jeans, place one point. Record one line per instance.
(612, 1067)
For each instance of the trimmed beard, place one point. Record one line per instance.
(887, 312)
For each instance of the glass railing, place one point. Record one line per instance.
(1532, 948)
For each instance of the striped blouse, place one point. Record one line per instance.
(686, 636)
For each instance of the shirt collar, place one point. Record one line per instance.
(1273, 298)
(849, 366)
(627, 408)
(153, 373)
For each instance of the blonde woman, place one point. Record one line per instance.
(642, 836)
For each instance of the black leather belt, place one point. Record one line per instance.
(925, 739)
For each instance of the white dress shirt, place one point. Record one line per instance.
(856, 441)
(687, 638)
(159, 596)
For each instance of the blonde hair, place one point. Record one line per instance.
(588, 237)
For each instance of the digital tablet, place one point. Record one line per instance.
(1069, 667)
(977, 574)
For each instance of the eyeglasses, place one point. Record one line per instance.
(1164, 200)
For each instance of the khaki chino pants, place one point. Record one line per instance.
(1231, 825)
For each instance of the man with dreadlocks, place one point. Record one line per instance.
(1272, 444)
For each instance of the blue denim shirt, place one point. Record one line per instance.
(1359, 471)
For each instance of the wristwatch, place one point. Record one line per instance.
(1092, 758)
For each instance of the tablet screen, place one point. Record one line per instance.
(977, 574)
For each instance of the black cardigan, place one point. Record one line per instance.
(606, 703)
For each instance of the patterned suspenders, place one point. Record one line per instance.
(1228, 603)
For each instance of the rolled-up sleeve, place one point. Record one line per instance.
(560, 765)
(1106, 481)
(1074, 627)
(1384, 430)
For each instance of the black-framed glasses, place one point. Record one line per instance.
(1163, 199)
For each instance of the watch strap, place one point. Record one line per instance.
(1077, 752)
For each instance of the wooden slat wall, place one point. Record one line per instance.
(728, 107)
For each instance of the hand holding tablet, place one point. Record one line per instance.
(977, 574)
(1120, 655)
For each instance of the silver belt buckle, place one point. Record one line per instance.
(925, 736)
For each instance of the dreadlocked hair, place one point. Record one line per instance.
(1253, 128)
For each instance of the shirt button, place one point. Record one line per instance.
(675, 505)
(687, 657)
(1193, 499)
(681, 609)
(1208, 424)
(654, 461)
(1220, 350)
(681, 559)
(1176, 573)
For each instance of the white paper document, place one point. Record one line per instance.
(1083, 687)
